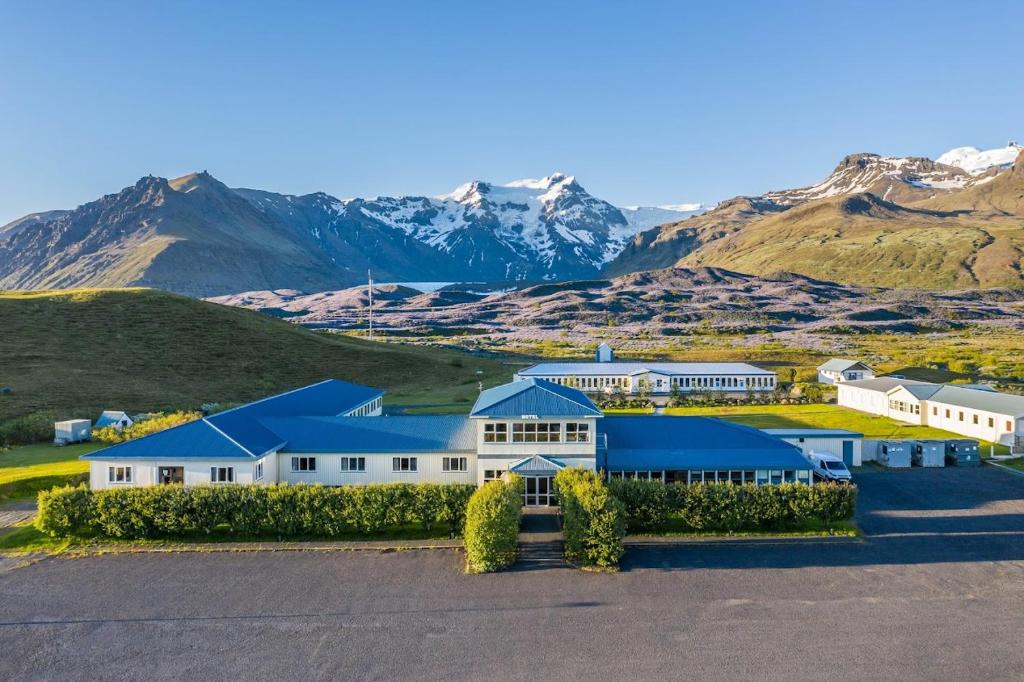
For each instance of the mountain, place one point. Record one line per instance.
(195, 235)
(875, 220)
(975, 161)
(670, 302)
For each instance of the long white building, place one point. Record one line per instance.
(333, 433)
(607, 375)
(972, 411)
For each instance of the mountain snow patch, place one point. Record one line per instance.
(976, 161)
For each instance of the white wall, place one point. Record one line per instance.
(832, 446)
(997, 433)
(145, 472)
(378, 469)
(862, 399)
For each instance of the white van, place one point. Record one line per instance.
(828, 467)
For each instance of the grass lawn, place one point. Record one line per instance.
(26, 470)
(822, 417)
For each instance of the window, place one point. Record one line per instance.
(258, 472)
(449, 464)
(303, 463)
(935, 411)
(222, 474)
(577, 433)
(492, 475)
(991, 422)
(1009, 426)
(353, 464)
(961, 414)
(403, 464)
(496, 433)
(119, 474)
(975, 419)
(947, 413)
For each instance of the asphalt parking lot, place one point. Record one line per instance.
(935, 590)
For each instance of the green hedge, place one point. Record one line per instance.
(492, 525)
(593, 521)
(286, 511)
(652, 505)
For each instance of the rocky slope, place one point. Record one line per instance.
(194, 235)
(875, 220)
(670, 302)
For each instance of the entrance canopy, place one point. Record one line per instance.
(538, 465)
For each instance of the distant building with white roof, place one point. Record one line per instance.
(838, 370)
(655, 378)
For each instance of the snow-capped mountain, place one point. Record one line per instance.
(197, 236)
(975, 161)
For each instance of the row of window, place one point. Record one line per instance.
(902, 406)
(974, 418)
(586, 383)
(758, 477)
(537, 432)
(398, 464)
(367, 409)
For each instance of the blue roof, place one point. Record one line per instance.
(812, 433)
(411, 433)
(240, 432)
(534, 397)
(328, 398)
(655, 443)
(194, 440)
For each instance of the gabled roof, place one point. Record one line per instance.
(407, 433)
(536, 464)
(623, 368)
(841, 365)
(884, 384)
(240, 432)
(653, 443)
(921, 392)
(328, 398)
(534, 397)
(987, 401)
(194, 440)
(109, 417)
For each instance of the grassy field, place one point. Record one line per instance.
(26, 470)
(73, 353)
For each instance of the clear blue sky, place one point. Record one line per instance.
(644, 102)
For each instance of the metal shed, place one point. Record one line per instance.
(894, 454)
(72, 431)
(963, 452)
(928, 453)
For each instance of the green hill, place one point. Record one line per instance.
(73, 353)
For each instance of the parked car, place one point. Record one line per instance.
(829, 467)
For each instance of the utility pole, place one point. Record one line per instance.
(369, 277)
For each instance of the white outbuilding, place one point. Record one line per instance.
(72, 431)
(839, 370)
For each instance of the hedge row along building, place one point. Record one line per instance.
(334, 433)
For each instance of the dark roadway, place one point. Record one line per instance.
(934, 591)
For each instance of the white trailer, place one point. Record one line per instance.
(72, 431)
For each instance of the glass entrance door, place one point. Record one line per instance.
(171, 475)
(539, 491)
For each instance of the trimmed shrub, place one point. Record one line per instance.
(652, 505)
(593, 520)
(492, 525)
(286, 511)
(65, 511)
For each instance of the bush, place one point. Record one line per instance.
(652, 505)
(65, 511)
(285, 511)
(154, 423)
(492, 525)
(593, 521)
(30, 428)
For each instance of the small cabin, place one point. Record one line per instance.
(72, 431)
(838, 371)
(604, 353)
(116, 418)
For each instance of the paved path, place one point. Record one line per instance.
(14, 513)
(541, 544)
